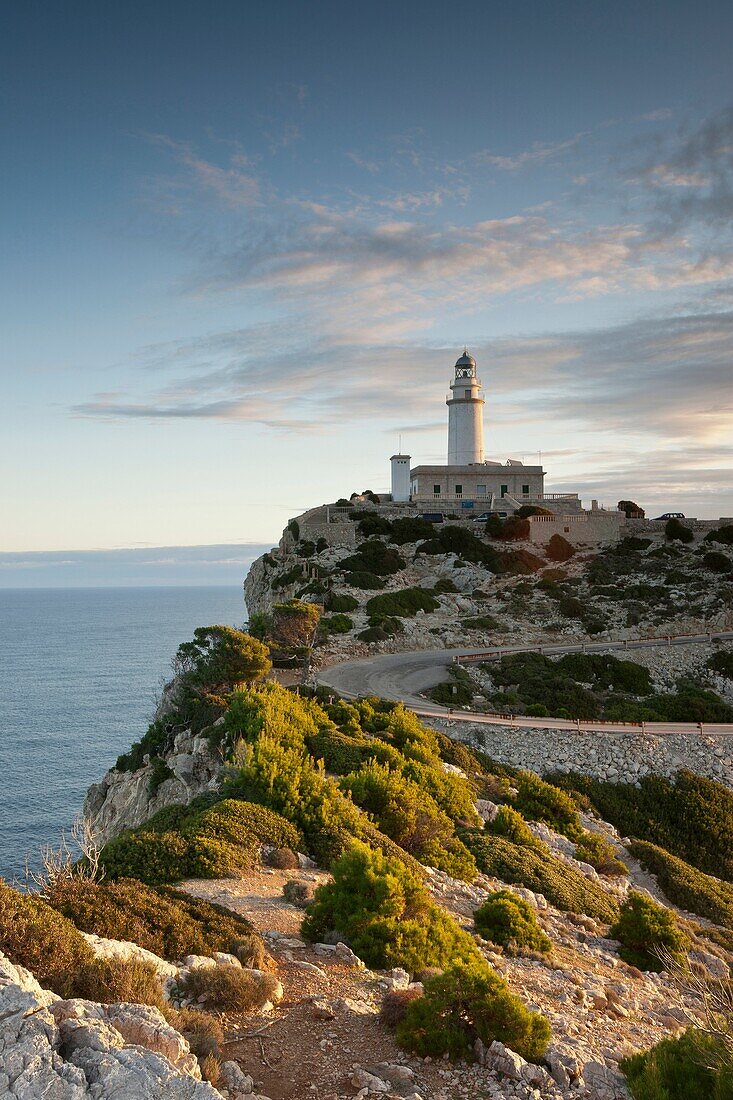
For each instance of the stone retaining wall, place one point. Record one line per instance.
(618, 758)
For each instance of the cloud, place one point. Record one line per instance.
(539, 153)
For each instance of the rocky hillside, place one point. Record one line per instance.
(300, 897)
(407, 584)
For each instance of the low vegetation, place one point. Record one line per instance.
(645, 930)
(229, 989)
(685, 885)
(695, 1064)
(509, 921)
(469, 1002)
(386, 914)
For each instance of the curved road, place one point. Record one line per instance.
(405, 677)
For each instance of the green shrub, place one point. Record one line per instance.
(166, 922)
(482, 622)
(408, 529)
(685, 885)
(537, 800)
(159, 772)
(508, 920)
(674, 531)
(337, 624)
(693, 1065)
(466, 1003)
(510, 824)
(361, 579)
(373, 557)
(599, 852)
(341, 603)
(451, 693)
(386, 914)
(644, 928)
(407, 813)
(722, 663)
(372, 524)
(229, 989)
(717, 562)
(539, 870)
(221, 657)
(339, 752)
(690, 816)
(405, 602)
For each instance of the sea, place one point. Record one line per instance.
(80, 673)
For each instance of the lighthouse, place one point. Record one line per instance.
(465, 415)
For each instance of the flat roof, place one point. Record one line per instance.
(479, 468)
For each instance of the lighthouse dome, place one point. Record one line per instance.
(465, 360)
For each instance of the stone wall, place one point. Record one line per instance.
(619, 758)
(587, 528)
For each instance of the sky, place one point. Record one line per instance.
(243, 245)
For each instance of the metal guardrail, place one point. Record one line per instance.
(477, 656)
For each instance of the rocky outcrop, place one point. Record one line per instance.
(73, 1050)
(124, 800)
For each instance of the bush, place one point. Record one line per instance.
(294, 623)
(373, 557)
(693, 1065)
(508, 920)
(685, 885)
(405, 602)
(514, 528)
(395, 1005)
(337, 624)
(690, 816)
(510, 824)
(159, 772)
(674, 531)
(599, 852)
(222, 840)
(229, 989)
(537, 800)
(643, 929)
(482, 622)
(43, 941)
(341, 603)
(466, 1003)
(386, 914)
(559, 549)
(283, 859)
(722, 663)
(411, 530)
(539, 870)
(372, 524)
(116, 981)
(361, 579)
(716, 561)
(166, 922)
(339, 752)
(221, 657)
(722, 534)
(451, 693)
(299, 894)
(202, 1031)
(408, 814)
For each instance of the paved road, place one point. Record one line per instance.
(405, 677)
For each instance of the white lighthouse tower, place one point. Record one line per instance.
(465, 415)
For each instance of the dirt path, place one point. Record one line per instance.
(305, 1050)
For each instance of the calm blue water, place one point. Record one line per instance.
(79, 673)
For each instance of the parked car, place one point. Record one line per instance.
(432, 517)
(671, 515)
(487, 515)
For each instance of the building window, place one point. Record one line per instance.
(481, 490)
(459, 490)
(436, 490)
(466, 393)
(525, 490)
(504, 490)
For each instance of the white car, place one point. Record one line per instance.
(487, 515)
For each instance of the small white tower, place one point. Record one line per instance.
(400, 477)
(465, 415)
